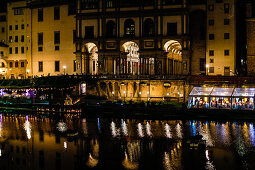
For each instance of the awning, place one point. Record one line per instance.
(201, 91)
(244, 92)
(222, 92)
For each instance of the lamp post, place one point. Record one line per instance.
(64, 67)
(124, 95)
(28, 72)
(207, 69)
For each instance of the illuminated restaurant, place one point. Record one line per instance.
(221, 98)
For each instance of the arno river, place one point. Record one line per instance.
(42, 143)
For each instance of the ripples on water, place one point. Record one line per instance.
(33, 143)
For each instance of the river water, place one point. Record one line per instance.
(28, 142)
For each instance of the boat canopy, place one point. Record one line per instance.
(244, 92)
(222, 92)
(201, 91)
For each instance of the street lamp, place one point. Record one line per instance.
(124, 95)
(207, 69)
(28, 72)
(64, 67)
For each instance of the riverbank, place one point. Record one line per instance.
(141, 110)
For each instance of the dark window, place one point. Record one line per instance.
(3, 29)
(226, 36)
(226, 52)
(202, 64)
(211, 53)
(171, 2)
(226, 8)
(10, 27)
(56, 66)
(149, 2)
(89, 32)
(10, 39)
(10, 50)
(19, 11)
(40, 14)
(148, 27)
(40, 48)
(22, 26)
(211, 60)
(16, 64)
(2, 18)
(172, 28)
(22, 64)
(110, 3)
(210, 7)
(16, 27)
(218, 1)
(71, 7)
(16, 38)
(40, 38)
(56, 48)
(16, 50)
(110, 28)
(226, 21)
(22, 38)
(10, 65)
(211, 22)
(22, 50)
(89, 4)
(74, 65)
(211, 69)
(129, 28)
(211, 36)
(56, 13)
(57, 37)
(40, 69)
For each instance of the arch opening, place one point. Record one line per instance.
(174, 57)
(91, 52)
(128, 63)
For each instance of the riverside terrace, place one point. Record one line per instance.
(129, 87)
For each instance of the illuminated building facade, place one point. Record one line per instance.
(130, 38)
(92, 37)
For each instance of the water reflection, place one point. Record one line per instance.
(33, 143)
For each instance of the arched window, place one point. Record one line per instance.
(129, 28)
(110, 29)
(148, 27)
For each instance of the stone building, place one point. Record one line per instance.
(250, 34)
(128, 37)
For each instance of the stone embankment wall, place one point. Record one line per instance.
(140, 90)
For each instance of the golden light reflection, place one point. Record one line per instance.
(167, 131)
(178, 130)
(92, 162)
(124, 128)
(148, 129)
(140, 130)
(27, 127)
(128, 164)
